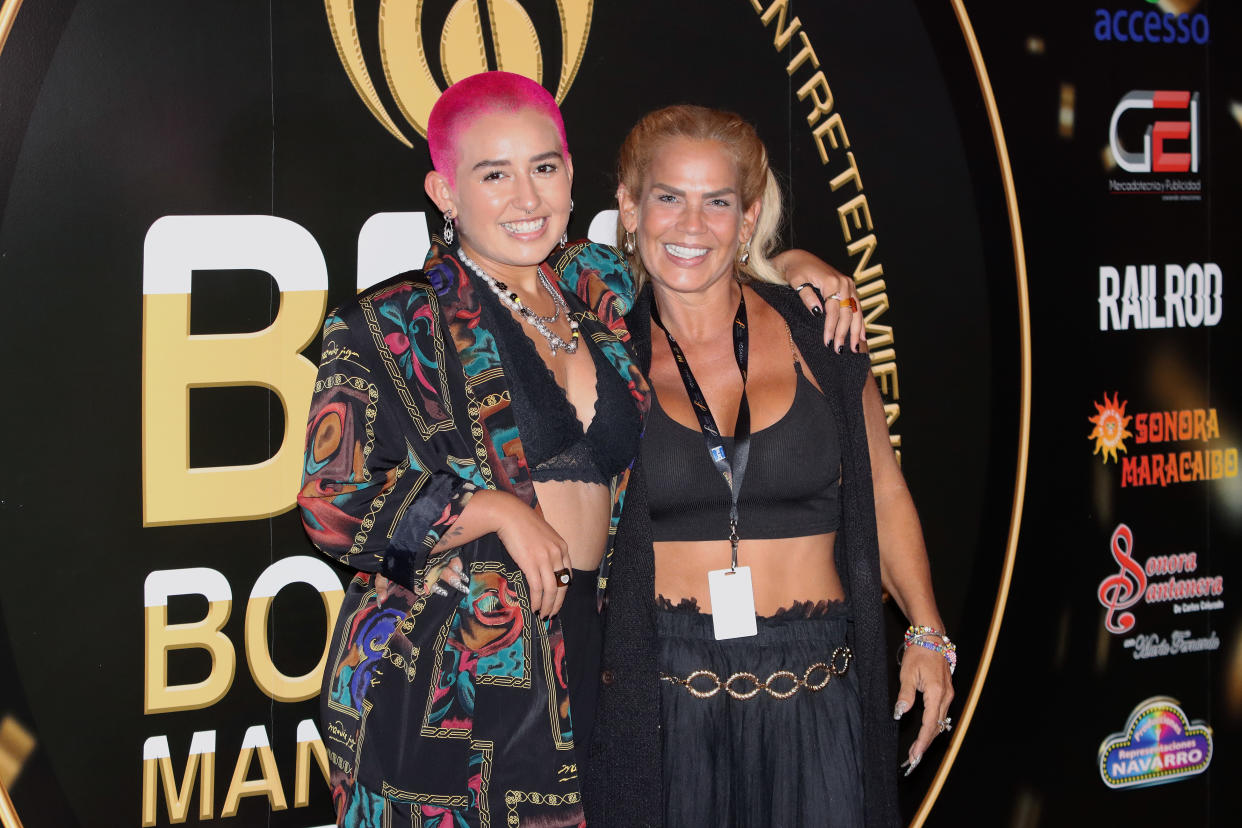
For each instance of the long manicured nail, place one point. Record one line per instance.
(912, 763)
(816, 310)
(899, 709)
(439, 590)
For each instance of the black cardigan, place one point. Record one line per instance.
(622, 784)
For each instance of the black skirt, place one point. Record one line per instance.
(584, 642)
(762, 761)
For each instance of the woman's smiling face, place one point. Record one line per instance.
(689, 219)
(511, 196)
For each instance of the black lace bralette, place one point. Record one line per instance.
(555, 444)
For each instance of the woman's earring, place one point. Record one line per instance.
(627, 244)
(745, 257)
(448, 227)
(565, 235)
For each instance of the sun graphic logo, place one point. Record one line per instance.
(1110, 430)
(425, 46)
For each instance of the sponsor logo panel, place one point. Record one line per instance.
(1151, 297)
(1146, 25)
(1173, 579)
(1158, 745)
(1171, 447)
(1154, 147)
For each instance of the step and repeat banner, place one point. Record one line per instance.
(1034, 199)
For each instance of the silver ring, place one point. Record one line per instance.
(836, 297)
(799, 288)
(945, 724)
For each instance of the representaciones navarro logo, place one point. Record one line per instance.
(1150, 26)
(1137, 298)
(1169, 145)
(1111, 428)
(1159, 744)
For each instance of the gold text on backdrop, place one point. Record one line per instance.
(854, 214)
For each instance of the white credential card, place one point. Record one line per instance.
(733, 602)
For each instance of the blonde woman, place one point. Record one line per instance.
(744, 672)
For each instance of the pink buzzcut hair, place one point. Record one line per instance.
(478, 95)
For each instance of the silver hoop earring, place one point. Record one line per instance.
(571, 205)
(565, 238)
(745, 257)
(627, 244)
(448, 227)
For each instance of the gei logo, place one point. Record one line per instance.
(1154, 156)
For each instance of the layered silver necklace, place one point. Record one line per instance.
(514, 303)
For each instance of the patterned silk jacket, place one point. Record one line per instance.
(454, 706)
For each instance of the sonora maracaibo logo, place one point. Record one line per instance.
(1111, 429)
(466, 37)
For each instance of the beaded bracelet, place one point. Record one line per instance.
(919, 635)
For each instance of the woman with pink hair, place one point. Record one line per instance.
(469, 446)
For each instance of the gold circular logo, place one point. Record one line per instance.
(509, 31)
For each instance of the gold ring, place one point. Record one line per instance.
(563, 577)
(850, 302)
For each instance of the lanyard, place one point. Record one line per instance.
(734, 471)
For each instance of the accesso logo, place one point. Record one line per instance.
(1150, 26)
(467, 41)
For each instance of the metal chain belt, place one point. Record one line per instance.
(711, 684)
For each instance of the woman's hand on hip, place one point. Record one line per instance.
(817, 283)
(539, 551)
(924, 671)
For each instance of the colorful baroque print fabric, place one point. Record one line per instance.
(439, 710)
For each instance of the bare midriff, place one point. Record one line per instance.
(579, 512)
(782, 571)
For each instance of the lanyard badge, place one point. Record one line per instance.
(732, 593)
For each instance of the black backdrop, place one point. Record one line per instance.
(118, 114)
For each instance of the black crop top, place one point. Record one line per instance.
(553, 439)
(792, 483)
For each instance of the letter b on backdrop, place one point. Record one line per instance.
(174, 361)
